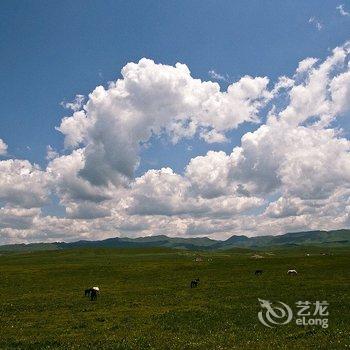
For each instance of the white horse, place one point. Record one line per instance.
(292, 272)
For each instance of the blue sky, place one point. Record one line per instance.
(53, 50)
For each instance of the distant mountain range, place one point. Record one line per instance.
(338, 238)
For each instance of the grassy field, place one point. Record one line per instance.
(146, 302)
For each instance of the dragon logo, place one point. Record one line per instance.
(274, 315)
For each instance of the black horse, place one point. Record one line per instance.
(194, 283)
(258, 272)
(91, 293)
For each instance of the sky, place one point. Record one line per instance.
(184, 118)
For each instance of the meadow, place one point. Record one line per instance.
(146, 301)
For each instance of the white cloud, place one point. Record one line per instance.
(340, 92)
(306, 64)
(342, 10)
(217, 76)
(155, 99)
(283, 84)
(22, 184)
(51, 153)
(209, 175)
(63, 174)
(276, 157)
(283, 207)
(76, 104)
(314, 21)
(311, 98)
(3, 148)
(291, 173)
(74, 128)
(212, 136)
(310, 168)
(87, 210)
(18, 218)
(162, 192)
(298, 159)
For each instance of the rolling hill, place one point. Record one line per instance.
(337, 238)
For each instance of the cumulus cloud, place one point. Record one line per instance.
(306, 64)
(63, 176)
(155, 99)
(213, 136)
(22, 184)
(162, 192)
(283, 207)
(74, 128)
(298, 159)
(87, 210)
(17, 218)
(208, 174)
(312, 97)
(291, 173)
(340, 92)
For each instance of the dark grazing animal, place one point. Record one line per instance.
(258, 272)
(92, 293)
(194, 283)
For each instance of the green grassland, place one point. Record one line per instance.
(146, 301)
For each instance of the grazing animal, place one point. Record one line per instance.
(92, 293)
(292, 272)
(194, 283)
(258, 272)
